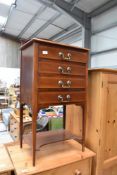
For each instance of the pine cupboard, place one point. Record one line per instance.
(102, 120)
(101, 127)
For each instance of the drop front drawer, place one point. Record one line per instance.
(61, 68)
(61, 97)
(60, 82)
(77, 168)
(63, 54)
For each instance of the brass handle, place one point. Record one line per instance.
(77, 172)
(69, 69)
(68, 97)
(61, 99)
(63, 71)
(64, 85)
(61, 54)
(69, 83)
(68, 58)
(61, 83)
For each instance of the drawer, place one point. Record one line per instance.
(63, 83)
(14, 125)
(67, 97)
(47, 67)
(77, 168)
(64, 54)
(13, 131)
(7, 173)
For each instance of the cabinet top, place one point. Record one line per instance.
(48, 157)
(102, 70)
(49, 42)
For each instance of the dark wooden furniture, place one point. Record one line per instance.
(52, 74)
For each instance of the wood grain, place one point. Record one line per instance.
(50, 157)
(76, 56)
(39, 90)
(6, 165)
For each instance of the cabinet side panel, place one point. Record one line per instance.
(94, 115)
(93, 118)
(26, 77)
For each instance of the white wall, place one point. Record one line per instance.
(104, 40)
(9, 75)
(105, 60)
(104, 20)
(9, 53)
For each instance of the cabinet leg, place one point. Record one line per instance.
(64, 116)
(21, 124)
(34, 137)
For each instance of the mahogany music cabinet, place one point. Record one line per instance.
(52, 74)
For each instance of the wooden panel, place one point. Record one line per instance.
(65, 83)
(110, 162)
(47, 67)
(112, 77)
(72, 169)
(26, 81)
(111, 122)
(51, 156)
(7, 173)
(53, 53)
(52, 97)
(74, 119)
(111, 171)
(5, 161)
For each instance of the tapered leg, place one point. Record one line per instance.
(21, 124)
(83, 126)
(34, 119)
(64, 116)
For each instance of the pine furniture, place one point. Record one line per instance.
(102, 120)
(61, 158)
(6, 166)
(101, 125)
(15, 125)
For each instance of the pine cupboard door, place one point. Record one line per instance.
(110, 139)
(111, 171)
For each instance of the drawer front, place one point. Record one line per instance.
(60, 68)
(63, 54)
(7, 173)
(14, 125)
(14, 134)
(78, 168)
(63, 83)
(57, 97)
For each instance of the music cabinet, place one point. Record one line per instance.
(52, 74)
